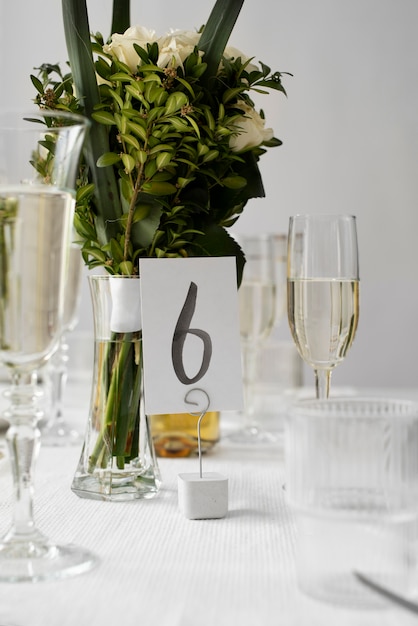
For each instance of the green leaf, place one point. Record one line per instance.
(231, 94)
(108, 158)
(84, 228)
(159, 188)
(160, 147)
(128, 162)
(37, 84)
(126, 268)
(210, 156)
(119, 77)
(143, 54)
(163, 159)
(217, 32)
(193, 123)
(131, 140)
(135, 92)
(179, 125)
(103, 117)
(102, 68)
(234, 182)
(138, 130)
(186, 85)
(77, 35)
(116, 250)
(121, 16)
(84, 192)
(175, 101)
(96, 253)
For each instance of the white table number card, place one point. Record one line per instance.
(191, 338)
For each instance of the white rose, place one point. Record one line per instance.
(177, 45)
(122, 46)
(250, 130)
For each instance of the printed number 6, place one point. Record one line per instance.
(179, 337)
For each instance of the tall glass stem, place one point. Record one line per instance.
(250, 355)
(322, 383)
(56, 431)
(23, 439)
(59, 380)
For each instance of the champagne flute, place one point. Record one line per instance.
(256, 313)
(323, 291)
(39, 160)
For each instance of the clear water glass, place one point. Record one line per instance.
(352, 485)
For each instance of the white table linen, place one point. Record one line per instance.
(160, 569)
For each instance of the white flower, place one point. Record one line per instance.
(176, 46)
(122, 46)
(250, 130)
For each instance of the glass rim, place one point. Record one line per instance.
(349, 216)
(97, 277)
(364, 407)
(22, 115)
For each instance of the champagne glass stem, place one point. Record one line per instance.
(58, 372)
(23, 439)
(250, 355)
(59, 378)
(322, 383)
(26, 555)
(56, 431)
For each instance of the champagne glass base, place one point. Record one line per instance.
(60, 434)
(252, 435)
(36, 561)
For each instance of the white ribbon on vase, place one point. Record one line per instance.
(126, 304)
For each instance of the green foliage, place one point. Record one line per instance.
(159, 176)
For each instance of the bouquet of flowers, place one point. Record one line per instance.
(170, 162)
(172, 155)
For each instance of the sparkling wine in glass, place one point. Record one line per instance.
(256, 314)
(39, 159)
(323, 291)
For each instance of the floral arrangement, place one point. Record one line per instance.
(172, 155)
(169, 164)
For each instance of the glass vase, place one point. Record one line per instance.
(117, 460)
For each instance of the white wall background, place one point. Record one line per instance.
(350, 132)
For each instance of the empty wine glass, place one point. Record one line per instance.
(256, 314)
(323, 290)
(39, 159)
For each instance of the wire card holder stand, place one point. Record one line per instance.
(202, 495)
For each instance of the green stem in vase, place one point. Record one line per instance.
(122, 409)
(134, 415)
(120, 381)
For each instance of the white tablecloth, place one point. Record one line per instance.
(159, 568)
